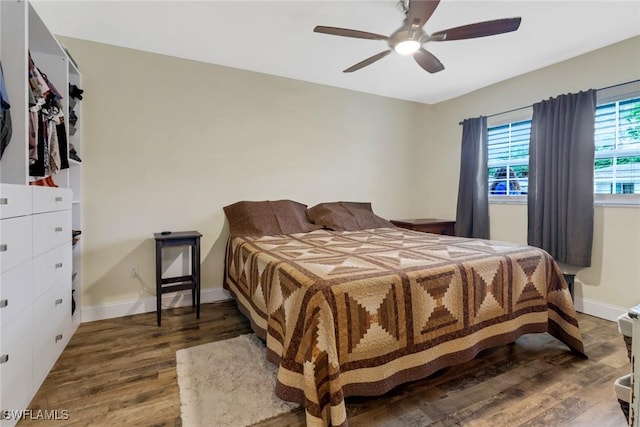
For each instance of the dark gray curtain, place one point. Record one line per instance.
(561, 154)
(472, 215)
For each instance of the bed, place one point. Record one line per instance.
(358, 312)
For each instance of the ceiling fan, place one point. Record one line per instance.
(410, 38)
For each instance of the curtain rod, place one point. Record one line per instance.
(531, 105)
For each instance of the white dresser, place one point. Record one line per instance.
(35, 288)
(16, 297)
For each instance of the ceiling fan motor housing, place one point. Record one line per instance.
(404, 34)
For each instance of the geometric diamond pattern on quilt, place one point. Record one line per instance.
(245, 267)
(489, 295)
(372, 319)
(336, 266)
(490, 246)
(278, 323)
(355, 247)
(287, 285)
(303, 253)
(310, 339)
(281, 303)
(374, 340)
(437, 286)
(386, 315)
(446, 251)
(402, 258)
(360, 322)
(529, 292)
(259, 298)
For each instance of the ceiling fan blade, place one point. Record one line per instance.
(345, 32)
(479, 29)
(420, 11)
(428, 61)
(367, 61)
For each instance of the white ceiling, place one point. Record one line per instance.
(276, 37)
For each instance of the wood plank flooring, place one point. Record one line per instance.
(121, 372)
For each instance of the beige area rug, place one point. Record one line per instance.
(227, 383)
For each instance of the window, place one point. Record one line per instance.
(617, 165)
(508, 160)
(617, 151)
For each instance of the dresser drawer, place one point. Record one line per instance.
(15, 292)
(15, 242)
(52, 326)
(48, 199)
(51, 267)
(15, 200)
(50, 230)
(16, 380)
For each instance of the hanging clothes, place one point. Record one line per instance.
(54, 149)
(6, 128)
(48, 150)
(33, 126)
(63, 145)
(40, 165)
(33, 136)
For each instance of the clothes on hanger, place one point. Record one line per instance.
(6, 128)
(48, 151)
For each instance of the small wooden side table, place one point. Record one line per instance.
(427, 225)
(178, 283)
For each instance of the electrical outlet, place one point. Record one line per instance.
(133, 273)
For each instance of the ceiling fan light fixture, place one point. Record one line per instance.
(407, 47)
(410, 38)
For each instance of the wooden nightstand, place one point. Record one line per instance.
(427, 225)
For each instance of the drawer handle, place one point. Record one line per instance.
(59, 265)
(58, 229)
(59, 301)
(58, 337)
(4, 303)
(4, 358)
(59, 199)
(4, 247)
(4, 201)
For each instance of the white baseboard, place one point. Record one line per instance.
(148, 304)
(599, 309)
(182, 299)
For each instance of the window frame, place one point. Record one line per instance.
(518, 115)
(603, 96)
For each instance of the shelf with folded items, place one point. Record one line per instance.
(40, 111)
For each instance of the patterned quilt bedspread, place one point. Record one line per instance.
(358, 313)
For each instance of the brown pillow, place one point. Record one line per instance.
(268, 218)
(346, 216)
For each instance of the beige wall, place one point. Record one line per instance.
(168, 142)
(614, 278)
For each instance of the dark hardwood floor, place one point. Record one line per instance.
(121, 372)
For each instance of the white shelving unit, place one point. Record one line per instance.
(75, 184)
(634, 408)
(40, 268)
